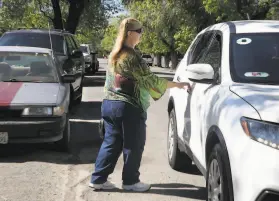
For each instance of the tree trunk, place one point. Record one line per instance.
(75, 11)
(57, 20)
(157, 60)
(165, 61)
(174, 60)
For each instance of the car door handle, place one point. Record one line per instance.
(178, 79)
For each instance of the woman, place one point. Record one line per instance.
(129, 83)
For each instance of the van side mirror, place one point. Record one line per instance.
(77, 53)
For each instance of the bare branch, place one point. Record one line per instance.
(42, 11)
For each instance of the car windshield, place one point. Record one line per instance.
(34, 40)
(26, 67)
(84, 49)
(255, 58)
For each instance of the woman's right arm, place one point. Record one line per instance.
(147, 79)
(179, 85)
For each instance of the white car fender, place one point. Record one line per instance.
(225, 112)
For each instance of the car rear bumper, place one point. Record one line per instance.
(256, 172)
(33, 130)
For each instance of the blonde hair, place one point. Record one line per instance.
(126, 25)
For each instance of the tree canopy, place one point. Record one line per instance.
(87, 19)
(171, 25)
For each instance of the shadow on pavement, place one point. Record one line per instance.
(87, 111)
(193, 170)
(179, 190)
(85, 141)
(169, 189)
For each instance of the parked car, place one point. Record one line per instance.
(65, 48)
(148, 59)
(34, 97)
(228, 124)
(90, 57)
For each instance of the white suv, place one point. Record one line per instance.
(228, 124)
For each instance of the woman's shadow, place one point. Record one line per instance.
(171, 189)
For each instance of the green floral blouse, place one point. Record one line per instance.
(132, 81)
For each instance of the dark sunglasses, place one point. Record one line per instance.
(138, 31)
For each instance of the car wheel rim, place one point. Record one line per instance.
(171, 138)
(214, 182)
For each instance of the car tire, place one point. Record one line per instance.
(218, 174)
(97, 67)
(177, 160)
(92, 69)
(63, 145)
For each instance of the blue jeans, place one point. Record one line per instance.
(125, 131)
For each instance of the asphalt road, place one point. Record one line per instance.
(39, 173)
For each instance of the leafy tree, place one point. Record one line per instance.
(109, 37)
(164, 28)
(38, 13)
(64, 14)
(225, 10)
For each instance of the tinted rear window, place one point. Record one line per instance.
(34, 40)
(255, 58)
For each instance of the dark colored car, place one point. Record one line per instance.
(148, 59)
(90, 57)
(64, 45)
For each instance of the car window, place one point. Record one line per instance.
(146, 56)
(70, 44)
(192, 50)
(213, 54)
(208, 50)
(34, 40)
(75, 42)
(27, 67)
(201, 48)
(255, 58)
(59, 65)
(84, 49)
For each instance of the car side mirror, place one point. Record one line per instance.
(77, 53)
(200, 73)
(66, 78)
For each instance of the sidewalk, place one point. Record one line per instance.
(160, 69)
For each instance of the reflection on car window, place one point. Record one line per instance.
(200, 48)
(255, 58)
(34, 40)
(26, 67)
(213, 54)
(70, 44)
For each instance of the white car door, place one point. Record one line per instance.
(181, 95)
(208, 51)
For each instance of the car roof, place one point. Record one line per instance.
(41, 31)
(24, 49)
(247, 26)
